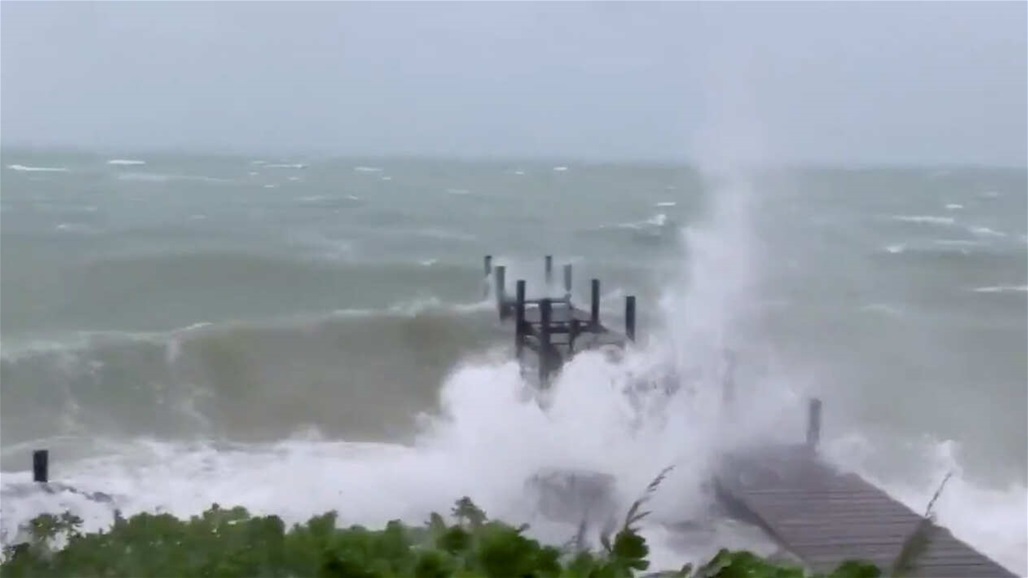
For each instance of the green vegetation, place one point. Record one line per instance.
(227, 543)
(233, 543)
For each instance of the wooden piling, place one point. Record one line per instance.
(574, 328)
(594, 304)
(519, 320)
(545, 352)
(567, 282)
(499, 281)
(630, 317)
(41, 466)
(488, 266)
(549, 270)
(813, 423)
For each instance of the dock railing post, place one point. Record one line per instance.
(519, 320)
(813, 423)
(488, 262)
(630, 317)
(594, 305)
(549, 270)
(544, 342)
(499, 281)
(41, 466)
(567, 282)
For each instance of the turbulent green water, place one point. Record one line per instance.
(178, 302)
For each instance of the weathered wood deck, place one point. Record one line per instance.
(552, 327)
(825, 517)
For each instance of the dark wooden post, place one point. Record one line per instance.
(519, 320)
(544, 342)
(630, 317)
(573, 329)
(594, 305)
(549, 270)
(814, 423)
(488, 271)
(499, 280)
(567, 282)
(41, 466)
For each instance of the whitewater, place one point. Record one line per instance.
(294, 359)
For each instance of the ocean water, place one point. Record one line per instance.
(302, 334)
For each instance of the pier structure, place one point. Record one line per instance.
(820, 515)
(553, 327)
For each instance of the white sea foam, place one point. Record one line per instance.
(1002, 289)
(363, 169)
(75, 228)
(666, 204)
(286, 166)
(560, 169)
(164, 178)
(925, 219)
(126, 162)
(954, 206)
(29, 169)
(986, 232)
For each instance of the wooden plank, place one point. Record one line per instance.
(561, 313)
(825, 517)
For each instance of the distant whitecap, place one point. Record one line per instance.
(28, 169)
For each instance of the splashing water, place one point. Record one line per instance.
(491, 435)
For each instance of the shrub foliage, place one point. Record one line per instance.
(228, 543)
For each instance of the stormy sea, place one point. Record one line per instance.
(296, 335)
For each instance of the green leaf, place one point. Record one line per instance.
(631, 550)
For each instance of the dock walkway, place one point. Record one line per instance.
(824, 516)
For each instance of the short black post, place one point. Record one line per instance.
(549, 270)
(519, 320)
(814, 423)
(499, 281)
(573, 330)
(488, 271)
(594, 305)
(41, 466)
(544, 342)
(567, 282)
(630, 317)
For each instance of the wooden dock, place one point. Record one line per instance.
(824, 516)
(819, 515)
(553, 327)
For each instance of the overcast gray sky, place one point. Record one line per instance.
(846, 82)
